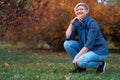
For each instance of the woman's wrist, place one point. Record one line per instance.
(71, 22)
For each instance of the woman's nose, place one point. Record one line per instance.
(79, 10)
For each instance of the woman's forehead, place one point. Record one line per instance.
(80, 7)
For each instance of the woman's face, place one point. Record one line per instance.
(81, 12)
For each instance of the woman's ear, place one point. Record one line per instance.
(87, 11)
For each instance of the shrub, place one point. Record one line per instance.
(48, 20)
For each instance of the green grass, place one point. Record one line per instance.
(50, 66)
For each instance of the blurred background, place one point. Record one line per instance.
(41, 24)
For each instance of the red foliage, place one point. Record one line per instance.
(47, 20)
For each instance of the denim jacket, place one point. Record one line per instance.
(94, 39)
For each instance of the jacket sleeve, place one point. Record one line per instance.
(91, 35)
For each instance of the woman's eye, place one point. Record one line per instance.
(77, 10)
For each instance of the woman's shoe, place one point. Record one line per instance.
(78, 70)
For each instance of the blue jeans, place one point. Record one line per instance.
(88, 59)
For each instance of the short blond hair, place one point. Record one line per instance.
(81, 4)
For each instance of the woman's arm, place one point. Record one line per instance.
(69, 31)
(82, 51)
(70, 27)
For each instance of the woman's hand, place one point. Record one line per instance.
(74, 62)
(79, 18)
(73, 20)
(82, 51)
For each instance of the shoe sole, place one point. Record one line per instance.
(104, 68)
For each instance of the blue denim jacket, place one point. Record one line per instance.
(94, 39)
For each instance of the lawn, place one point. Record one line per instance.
(47, 65)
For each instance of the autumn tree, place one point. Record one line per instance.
(13, 14)
(36, 21)
(21, 20)
(59, 16)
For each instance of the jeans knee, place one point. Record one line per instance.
(82, 63)
(67, 44)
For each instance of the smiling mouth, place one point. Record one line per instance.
(80, 13)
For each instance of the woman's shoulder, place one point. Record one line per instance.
(92, 23)
(91, 20)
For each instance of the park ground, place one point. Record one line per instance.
(21, 64)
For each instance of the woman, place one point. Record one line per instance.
(91, 50)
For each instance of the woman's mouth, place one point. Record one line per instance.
(79, 13)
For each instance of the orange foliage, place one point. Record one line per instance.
(62, 12)
(47, 20)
